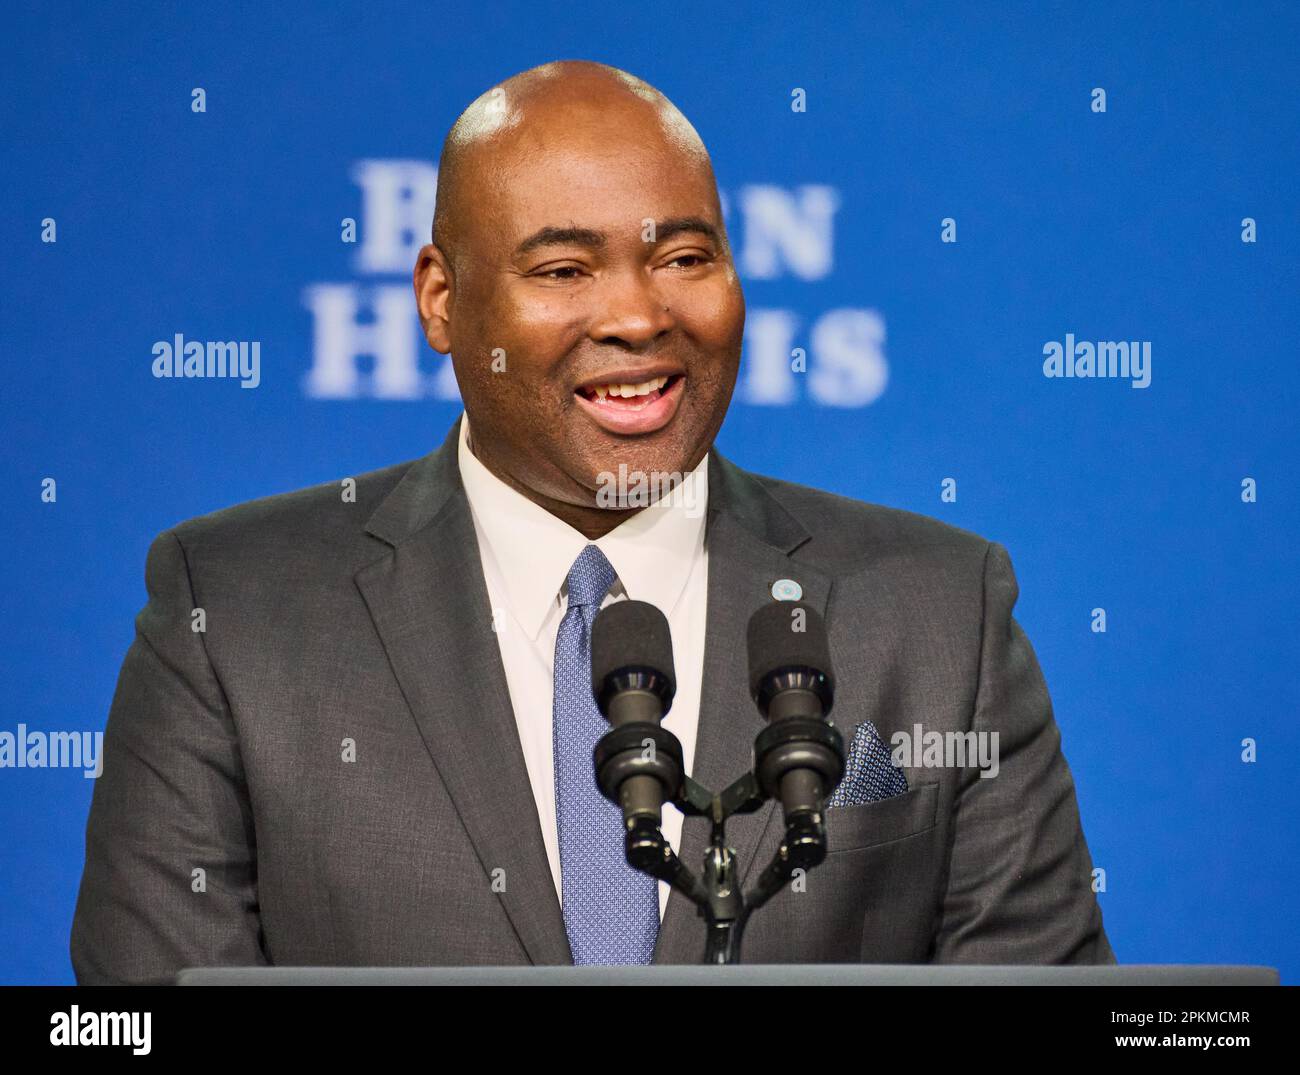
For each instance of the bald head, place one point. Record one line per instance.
(536, 111)
(581, 280)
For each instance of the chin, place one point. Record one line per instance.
(643, 453)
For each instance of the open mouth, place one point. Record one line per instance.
(633, 408)
(630, 397)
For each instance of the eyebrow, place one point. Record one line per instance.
(588, 237)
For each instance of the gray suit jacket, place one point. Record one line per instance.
(329, 773)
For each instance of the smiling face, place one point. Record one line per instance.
(585, 289)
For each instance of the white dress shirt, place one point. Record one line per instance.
(659, 556)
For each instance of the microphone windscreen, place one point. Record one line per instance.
(786, 634)
(631, 634)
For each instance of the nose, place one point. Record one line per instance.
(630, 311)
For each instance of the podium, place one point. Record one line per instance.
(827, 974)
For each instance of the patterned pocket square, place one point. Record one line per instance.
(869, 771)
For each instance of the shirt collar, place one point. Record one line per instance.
(653, 552)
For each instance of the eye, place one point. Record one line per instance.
(695, 260)
(558, 273)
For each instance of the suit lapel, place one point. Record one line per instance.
(429, 604)
(749, 538)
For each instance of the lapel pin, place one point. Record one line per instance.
(786, 590)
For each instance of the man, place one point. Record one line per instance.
(378, 749)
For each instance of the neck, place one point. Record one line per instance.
(591, 522)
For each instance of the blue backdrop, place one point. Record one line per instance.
(1123, 217)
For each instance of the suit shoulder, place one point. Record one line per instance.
(849, 531)
(313, 514)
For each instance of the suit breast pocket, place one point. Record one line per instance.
(849, 828)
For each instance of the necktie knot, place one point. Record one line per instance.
(590, 578)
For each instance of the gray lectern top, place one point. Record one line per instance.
(830, 974)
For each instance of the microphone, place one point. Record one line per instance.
(638, 762)
(799, 756)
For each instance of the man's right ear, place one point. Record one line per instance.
(432, 279)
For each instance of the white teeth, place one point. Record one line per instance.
(627, 391)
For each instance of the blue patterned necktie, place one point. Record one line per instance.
(611, 911)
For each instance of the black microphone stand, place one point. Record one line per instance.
(798, 757)
(718, 894)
